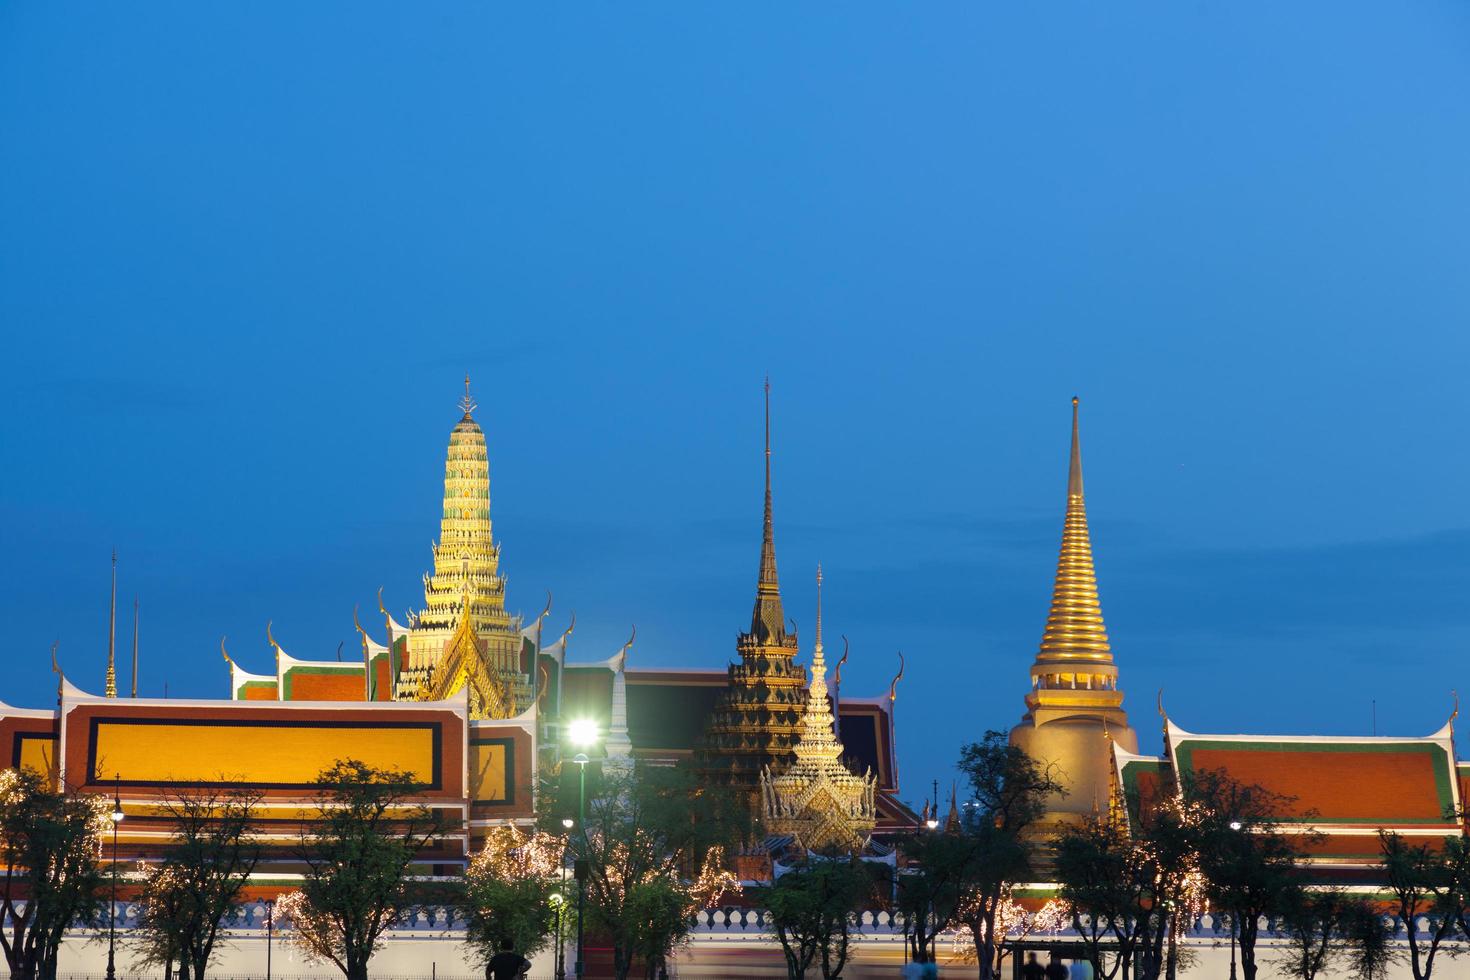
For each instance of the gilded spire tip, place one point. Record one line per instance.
(819, 607)
(467, 404)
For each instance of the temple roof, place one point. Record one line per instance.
(1374, 782)
(1343, 789)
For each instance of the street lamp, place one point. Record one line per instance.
(583, 732)
(1235, 825)
(270, 927)
(567, 824)
(558, 902)
(117, 817)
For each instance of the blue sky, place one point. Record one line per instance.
(248, 253)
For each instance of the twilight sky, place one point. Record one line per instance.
(247, 252)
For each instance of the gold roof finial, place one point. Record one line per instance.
(893, 688)
(56, 668)
(467, 404)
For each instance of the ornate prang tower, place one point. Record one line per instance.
(1074, 708)
(466, 581)
(757, 720)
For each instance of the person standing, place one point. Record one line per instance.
(1032, 970)
(507, 964)
(1055, 968)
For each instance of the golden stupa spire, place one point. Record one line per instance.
(1074, 655)
(111, 686)
(1074, 627)
(768, 622)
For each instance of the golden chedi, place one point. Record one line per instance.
(817, 799)
(1074, 709)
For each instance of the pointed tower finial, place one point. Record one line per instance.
(467, 404)
(111, 684)
(819, 607)
(767, 623)
(1074, 470)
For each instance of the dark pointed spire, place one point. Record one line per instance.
(767, 623)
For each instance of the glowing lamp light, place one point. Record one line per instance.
(556, 899)
(567, 823)
(931, 823)
(1235, 825)
(583, 732)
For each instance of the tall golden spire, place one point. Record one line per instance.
(768, 622)
(1074, 653)
(111, 688)
(1074, 628)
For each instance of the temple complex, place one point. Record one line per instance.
(1074, 709)
(474, 700)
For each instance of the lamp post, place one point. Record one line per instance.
(567, 824)
(117, 816)
(558, 902)
(270, 927)
(581, 760)
(1235, 825)
(584, 734)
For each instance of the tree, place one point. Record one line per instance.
(186, 896)
(934, 885)
(1168, 838)
(1009, 790)
(357, 854)
(50, 844)
(508, 889)
(812, 906)
(1425, 882)
(1105, 881)
(1327, 927)
(1370, 950)
(650, 832)
(1247, 862)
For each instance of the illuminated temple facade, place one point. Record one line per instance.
(464, 694)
